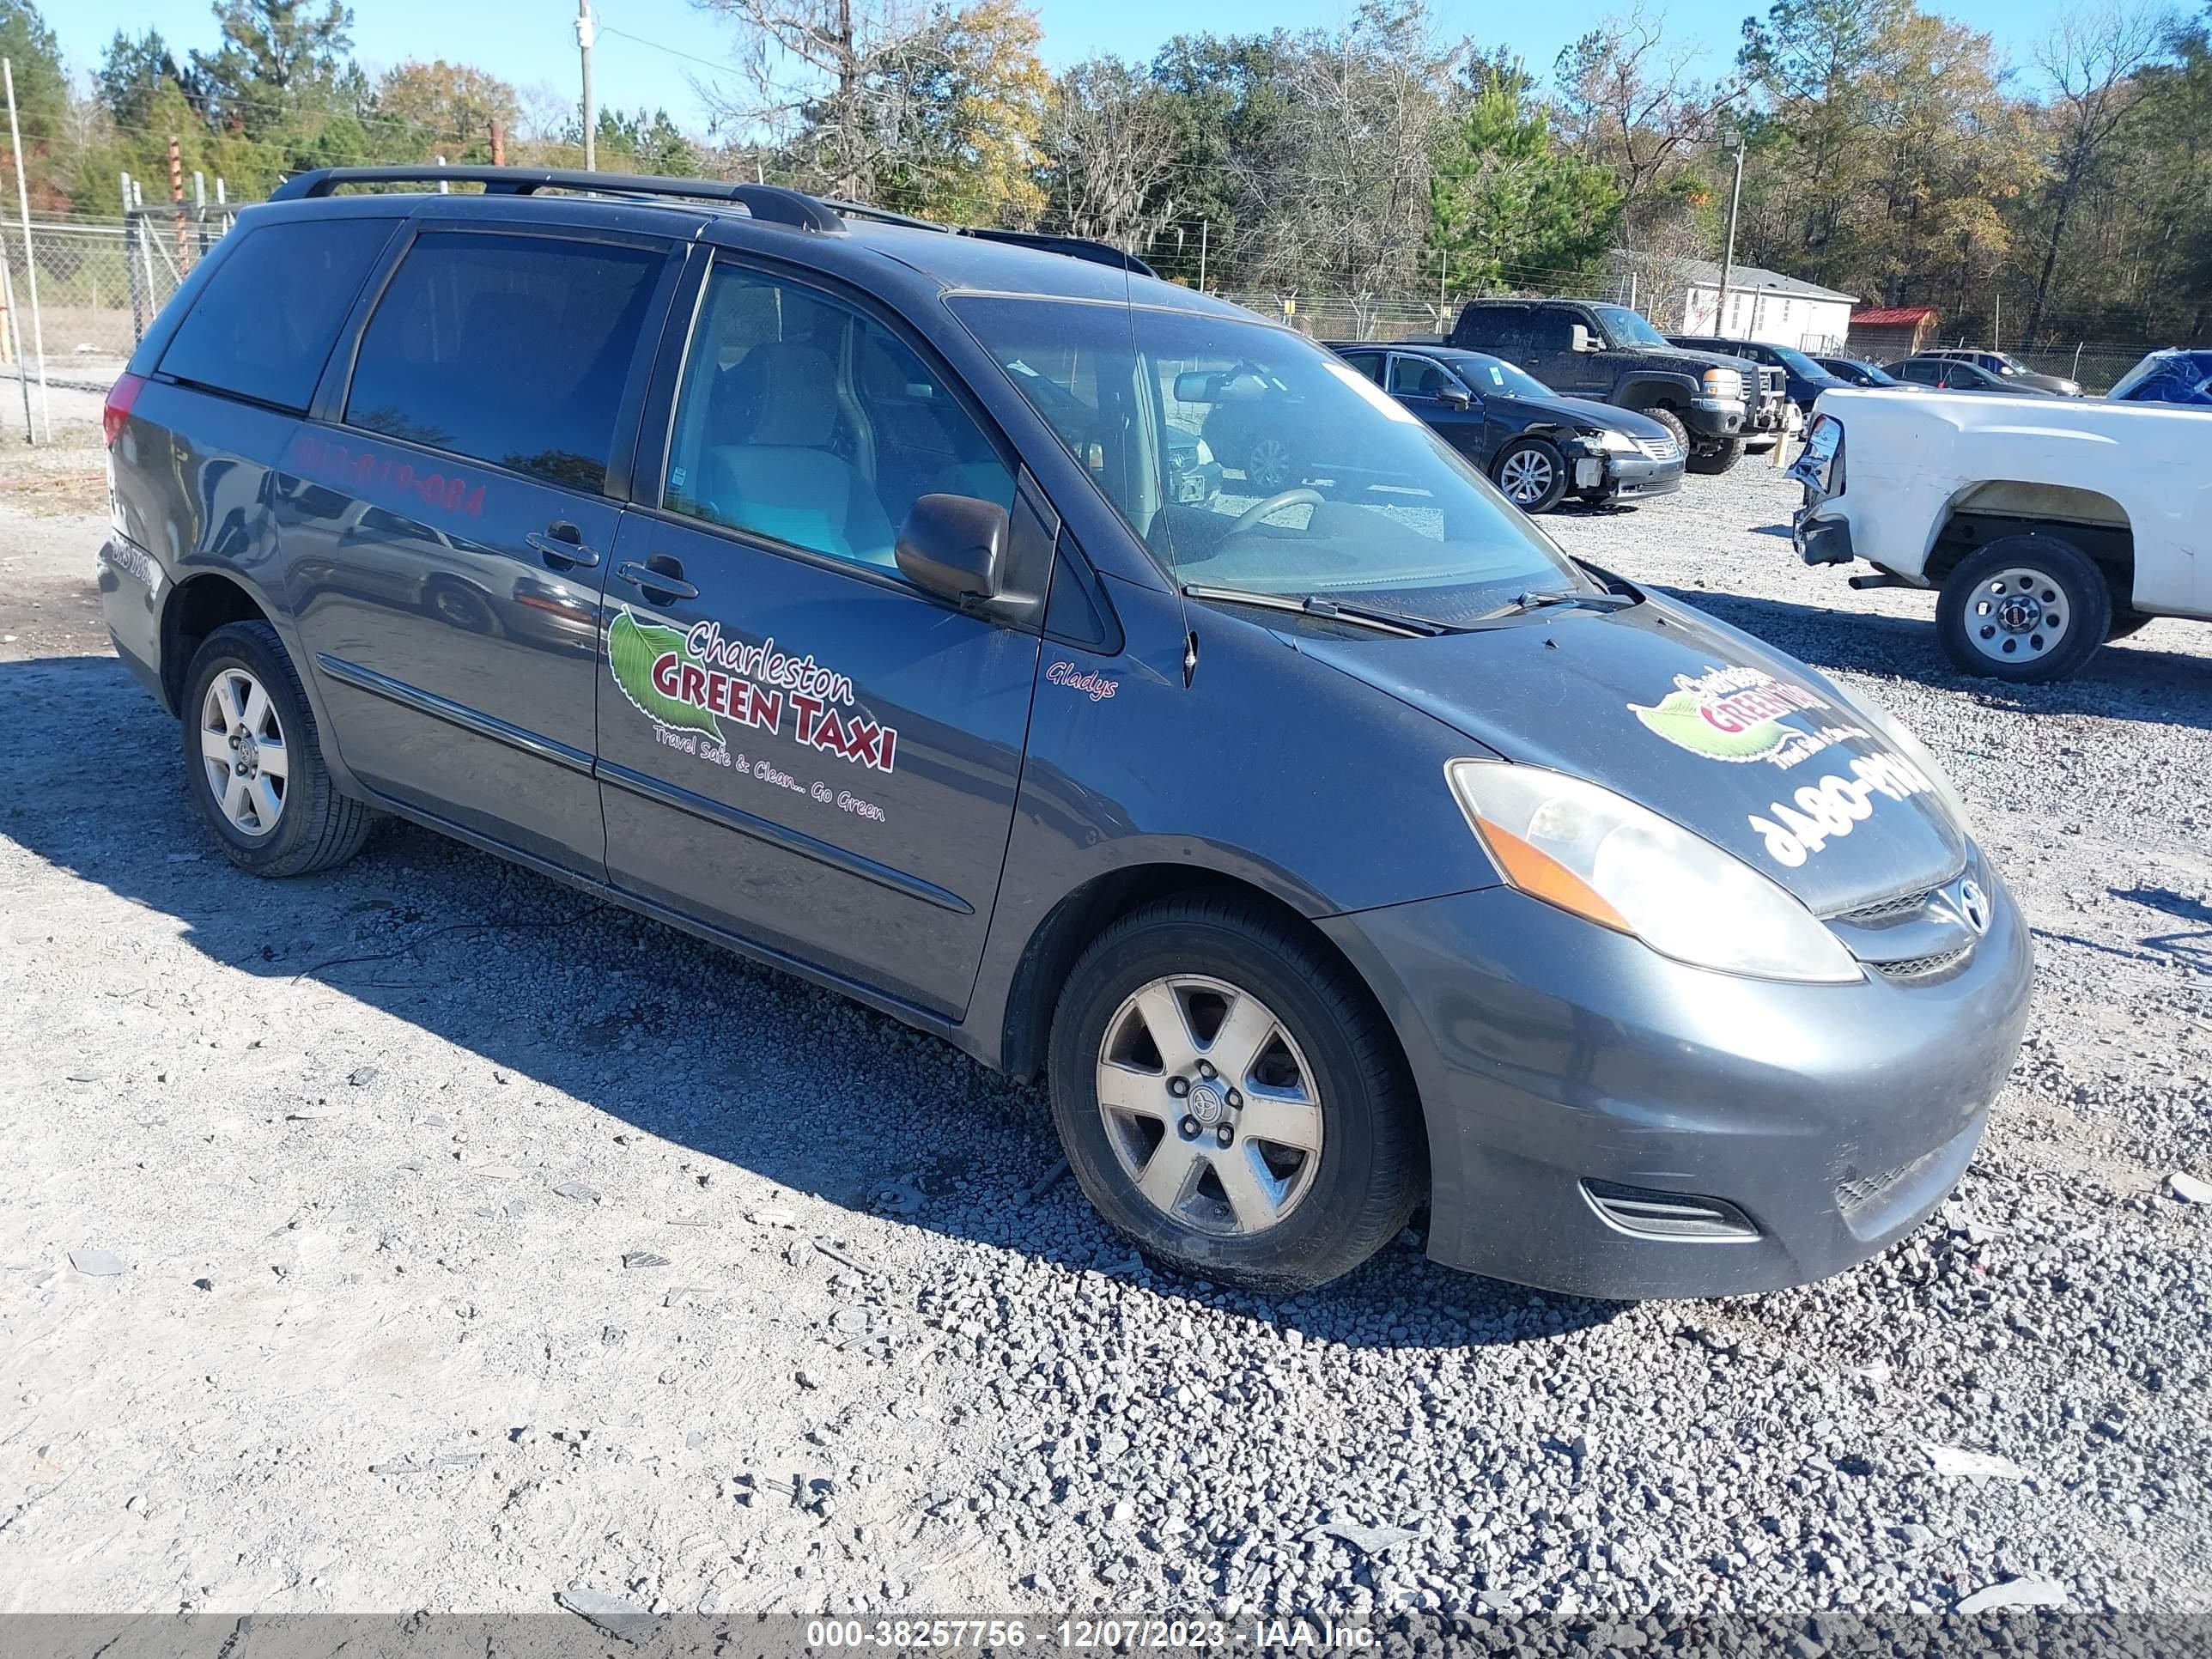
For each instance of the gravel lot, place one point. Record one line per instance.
(423, 1236)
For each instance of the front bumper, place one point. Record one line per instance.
(1551, 1055)
(1626, 477)
(1714, 417)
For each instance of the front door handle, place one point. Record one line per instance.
(561, 545)
(659, 578)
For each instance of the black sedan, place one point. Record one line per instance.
(1854, 372)
(1536, 445)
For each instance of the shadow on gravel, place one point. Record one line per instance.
(802, 1087)
(2121, 682)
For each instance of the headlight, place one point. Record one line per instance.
(1821, 465)
(1723, 383)
(1608, 860)
(1915, 751)
(1606, 437)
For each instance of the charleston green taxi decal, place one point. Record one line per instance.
(700, 681)
(1737, 714)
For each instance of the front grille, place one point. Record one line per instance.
(1922, 967)
(1660, 449)
(1883, 909)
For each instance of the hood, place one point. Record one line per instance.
(1694, 719)
(1748, 367)
(1579, 412)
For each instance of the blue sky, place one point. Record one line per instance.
(531, 42)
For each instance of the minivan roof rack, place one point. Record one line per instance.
(772, 203)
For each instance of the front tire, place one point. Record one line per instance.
(1668, 418)
(1715, 456)
(1231, 1099)
(2025, 609)
(1531, 473)
(253, 761)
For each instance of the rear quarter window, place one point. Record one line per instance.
(506, 349)
(264, 325)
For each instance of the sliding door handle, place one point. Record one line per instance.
(562, 547)
(659, 578)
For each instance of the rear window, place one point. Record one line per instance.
(510, 349)
(266, 321)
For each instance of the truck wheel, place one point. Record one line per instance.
(253, 763)
(1532, 473)
(2025, 609)
(1668, 418)
(1231, 1100)
(1716, 456)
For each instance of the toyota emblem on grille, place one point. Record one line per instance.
(1973, 905)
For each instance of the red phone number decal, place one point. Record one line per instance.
(368, 470)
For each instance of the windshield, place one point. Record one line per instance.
(1877, 375)
(1624, 327)
(1327, 487)
(1799, 364)
(2173, 377)
(1487, 374)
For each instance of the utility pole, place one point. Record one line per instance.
(1996, 327)
(30, 259)
(1730, 140)
(1204, 225)
(583, 33)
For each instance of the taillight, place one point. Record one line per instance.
(120, 396)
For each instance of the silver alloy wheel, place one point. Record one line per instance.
(1525, 477)
(2017, 615)
(242, 747)
(1209, 1105)
(1267, 464)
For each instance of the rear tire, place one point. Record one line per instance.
(1309, 1153)
(1715, 456)
(246, 722)
(1532, 474)
(2025, 609)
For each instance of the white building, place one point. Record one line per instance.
(1762, 305)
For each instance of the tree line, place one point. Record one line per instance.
(2055, 188)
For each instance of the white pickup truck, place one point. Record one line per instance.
(2050, 525)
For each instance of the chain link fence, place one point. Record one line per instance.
(99, 283)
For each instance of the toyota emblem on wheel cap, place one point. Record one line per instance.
(1206, 1104)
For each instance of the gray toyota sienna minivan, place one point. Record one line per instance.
(861, 595)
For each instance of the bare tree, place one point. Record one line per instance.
(1110, 143)
(808, 68)
(1342, 192)
(2095, 61)
(1627, 100)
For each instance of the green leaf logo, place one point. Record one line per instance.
(1680, 717)
(633, 647)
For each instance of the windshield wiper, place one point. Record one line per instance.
(1312, 605)
(1528, 602)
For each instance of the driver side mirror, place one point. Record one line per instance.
(1453, 397)
(1583, 340)
(954, 546)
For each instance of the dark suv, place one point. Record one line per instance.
(860, 595)
(1713, 402)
